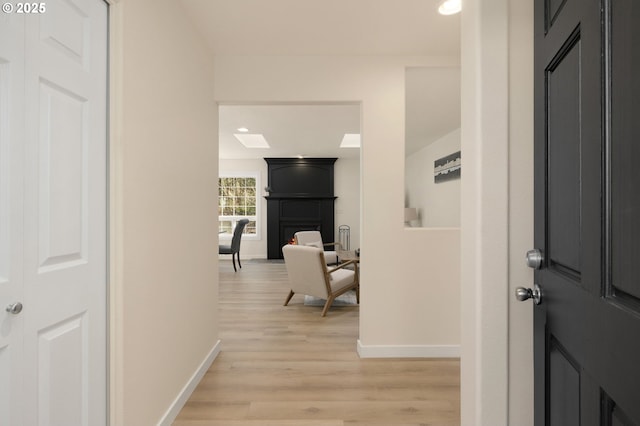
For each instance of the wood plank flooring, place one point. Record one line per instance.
(287, 366)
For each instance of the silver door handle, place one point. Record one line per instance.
(14, 308)
(534, 259)
(523, 294)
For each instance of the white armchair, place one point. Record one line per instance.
(308, 274)
(314, 239)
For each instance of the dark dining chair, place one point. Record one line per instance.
(234, 248)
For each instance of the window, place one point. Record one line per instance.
(237, 200)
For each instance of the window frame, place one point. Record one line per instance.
(249, 174)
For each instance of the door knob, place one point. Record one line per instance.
(523, 294)
(14, 308)
(534, 259)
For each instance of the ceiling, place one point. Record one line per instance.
(325, 27)
(331, 27)
(308, 130)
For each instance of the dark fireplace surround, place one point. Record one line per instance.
(300, 199)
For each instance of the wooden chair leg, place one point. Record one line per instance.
(327, 305)
(239, 264)
(291, 293)
(233, 259)
(358, 294)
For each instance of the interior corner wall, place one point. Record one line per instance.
(410, 283)
(163, 188)
(497, 218)
(520, 209)
(438, 204)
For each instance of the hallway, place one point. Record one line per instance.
(288, 366)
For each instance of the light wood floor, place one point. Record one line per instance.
(287, 366)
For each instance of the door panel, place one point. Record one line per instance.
(5, 379)
(563, 183)
(564, 388)
(63, 365)
(66, 29)
(624, 158)
(6, 66)
(62, 230)
(587, 212)
(618, 369)
(553, 10)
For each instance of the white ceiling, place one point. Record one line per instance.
(309, 130)
(332, 27)
(325, 27)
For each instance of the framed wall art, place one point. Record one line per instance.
(447, 168)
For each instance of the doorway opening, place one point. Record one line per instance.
(250, 133)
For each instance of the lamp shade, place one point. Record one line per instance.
(410, 213)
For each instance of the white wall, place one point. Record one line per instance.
(347, 207)
(497, 206)
(485, 109)
(438, 204)
(410, 290)
(164, 278)
(347, 189)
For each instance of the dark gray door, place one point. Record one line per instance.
(587, 212)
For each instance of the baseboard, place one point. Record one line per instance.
(188, 389)
(408, 351)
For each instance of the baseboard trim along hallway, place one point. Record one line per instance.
(191, 385)
(408, 351)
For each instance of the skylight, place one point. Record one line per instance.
(252, 140)
(350, 140)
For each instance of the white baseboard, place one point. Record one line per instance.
(408, 351)
(188, 389)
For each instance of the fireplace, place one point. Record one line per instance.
(300, 199)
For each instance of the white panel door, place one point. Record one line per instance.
(62, 219)
(11, 215)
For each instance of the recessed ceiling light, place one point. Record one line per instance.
(450, 7)
(253, 140)
(350, 140)
(243, 129)
(300, 156)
